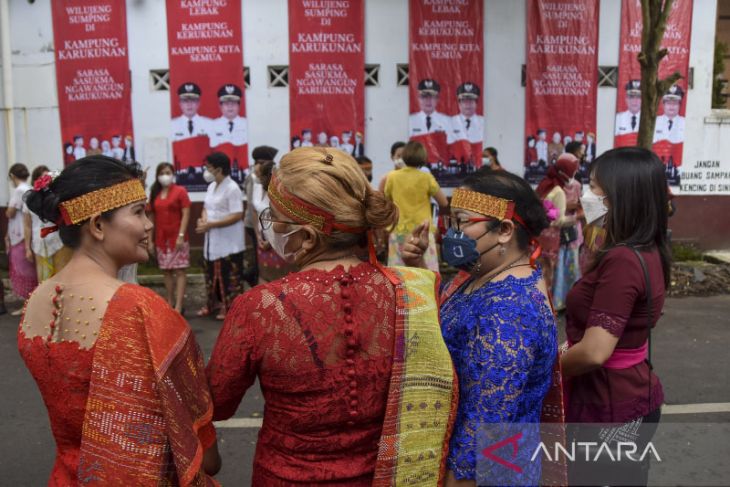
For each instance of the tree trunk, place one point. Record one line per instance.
(654, 16)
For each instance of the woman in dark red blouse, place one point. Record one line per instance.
(170, 212)
(351, 363)
(608, 317)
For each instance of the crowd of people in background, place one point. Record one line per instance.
(317, 272)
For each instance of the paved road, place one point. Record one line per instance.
(690, 349)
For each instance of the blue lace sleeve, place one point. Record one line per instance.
(502, 359)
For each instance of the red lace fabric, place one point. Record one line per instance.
(321, 344)
(62, 372)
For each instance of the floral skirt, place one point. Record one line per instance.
(23, 276)
(174, 258)
(395, 247)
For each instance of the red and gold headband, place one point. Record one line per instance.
(305, 213)
(82, 208)
(484, 204)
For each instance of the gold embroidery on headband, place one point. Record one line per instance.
(85, 206)
(296, 212)
(481, 203)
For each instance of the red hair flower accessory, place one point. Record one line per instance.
(43, 182)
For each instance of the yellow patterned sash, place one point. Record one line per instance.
(423, 394)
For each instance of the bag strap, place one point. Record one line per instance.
(650, 314)
(649, 307)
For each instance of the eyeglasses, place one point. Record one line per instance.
(265, 220)
(457, 223)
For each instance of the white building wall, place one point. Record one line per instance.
(265, 31)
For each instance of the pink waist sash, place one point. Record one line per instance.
(624, 358)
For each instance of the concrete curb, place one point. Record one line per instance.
(718, 256)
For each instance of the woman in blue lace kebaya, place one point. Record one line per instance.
(498, 325)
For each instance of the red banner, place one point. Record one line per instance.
(669, 130)
(562, 82)
(326, 75)
(206, 88)
(92, 74)
(446, 73)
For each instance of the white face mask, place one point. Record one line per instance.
(593, 205)
(208, 176)
(486, 161)
(399, 164)
(278, 243)
(165, 180)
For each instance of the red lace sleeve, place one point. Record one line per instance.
(233, 365)
(619, 285)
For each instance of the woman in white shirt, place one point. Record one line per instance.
(48, 251)
(222, 224)
(22, 271)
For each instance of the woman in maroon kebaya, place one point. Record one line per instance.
(611, 310)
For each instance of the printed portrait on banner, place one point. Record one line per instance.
(670, 121)
(206, 90)
(446, 73)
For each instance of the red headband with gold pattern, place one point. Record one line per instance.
(483, 204)
(82, 208)
(305, 213)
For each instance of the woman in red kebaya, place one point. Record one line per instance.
(119, 371)
(170, 211)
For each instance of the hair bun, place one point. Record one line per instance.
(380, 212)
(44, 203)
